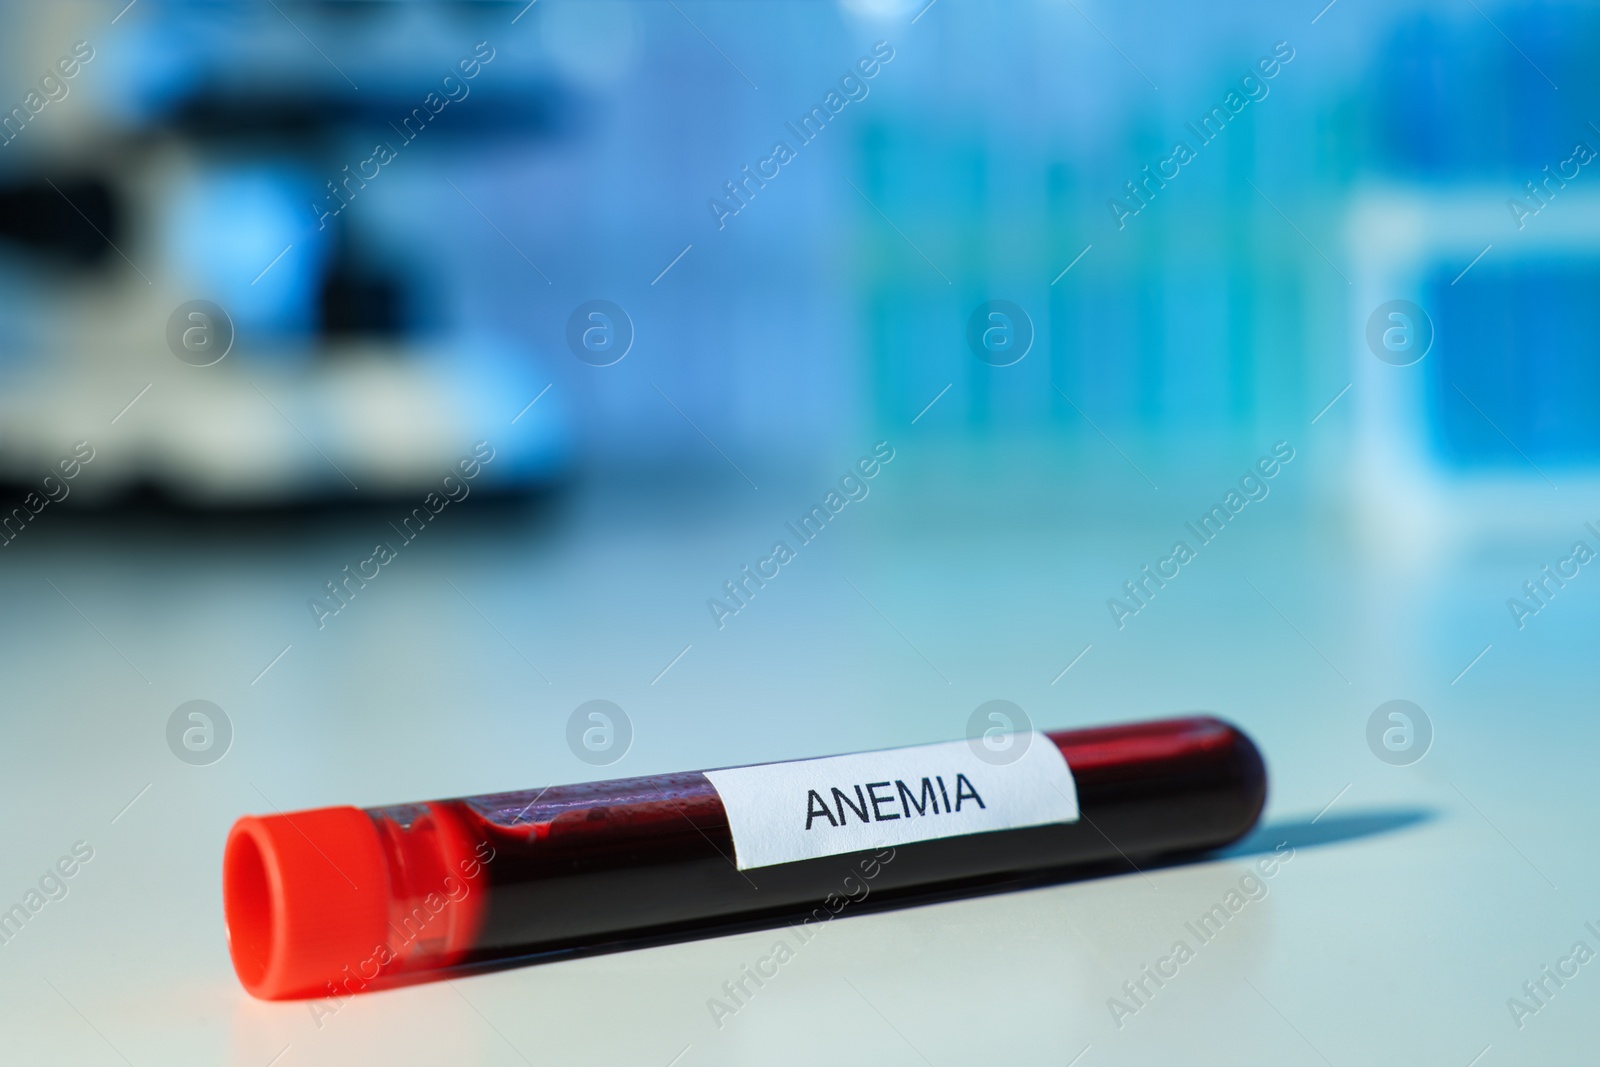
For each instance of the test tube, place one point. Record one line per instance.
(341, 900)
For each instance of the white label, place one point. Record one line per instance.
(784, 812)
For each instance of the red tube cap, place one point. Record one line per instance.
(306, 895)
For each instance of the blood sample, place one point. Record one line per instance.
(341, 900)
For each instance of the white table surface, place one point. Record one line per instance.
(1413, 907)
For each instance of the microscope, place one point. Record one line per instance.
(220, 273)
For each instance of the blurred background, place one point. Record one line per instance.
(226, 152)
(528, 295)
